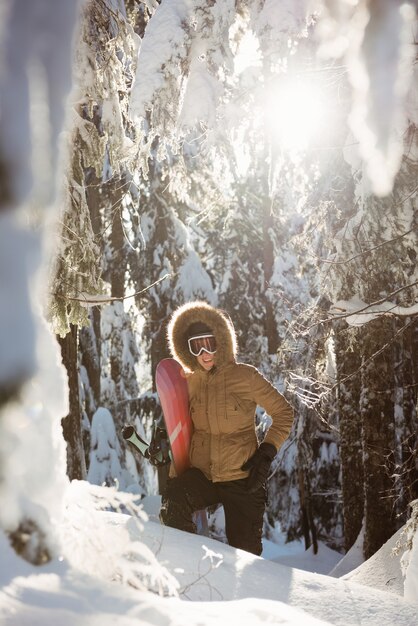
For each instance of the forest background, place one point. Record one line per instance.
(261, 156)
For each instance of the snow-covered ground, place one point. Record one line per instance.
(112, 557)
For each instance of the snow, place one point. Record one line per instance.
(105, 453)
(18, 251)
(356, 312)
(376, 42)
(202, 95)
(411, 580)
(193, 279)
(113, 551)
(37, 39)
(166, 38)
(287, 17)
(378, 571)
(31, 442)
(384, 60)
(185, 40)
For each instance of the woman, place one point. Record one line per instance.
(228, 466)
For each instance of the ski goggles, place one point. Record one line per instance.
(202, 343)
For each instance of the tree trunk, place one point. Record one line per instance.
(117, 270)
(406, 427)
(71, 424)
(377, 413)
(160, 308)
(90, 338)
(304, 516)
(268, 266)
(351, 453)
(90, 356)
(307, 520)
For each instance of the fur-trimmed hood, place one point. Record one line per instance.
(217, 320)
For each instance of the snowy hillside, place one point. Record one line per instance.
(109, 557)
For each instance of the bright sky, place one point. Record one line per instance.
(97, 582)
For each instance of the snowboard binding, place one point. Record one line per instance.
(157, 452)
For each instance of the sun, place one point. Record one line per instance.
(295, 113)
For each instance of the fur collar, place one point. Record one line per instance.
(217, 320)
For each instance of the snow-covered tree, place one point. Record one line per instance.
(35, 42)
(371, 259)
(93, 258)
(167, 254)
(105, 453)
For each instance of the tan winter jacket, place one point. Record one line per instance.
(223, 400)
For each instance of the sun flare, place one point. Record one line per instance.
(295, 114)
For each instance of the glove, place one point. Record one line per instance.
(259, 466)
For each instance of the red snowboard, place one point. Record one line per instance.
(171, 383)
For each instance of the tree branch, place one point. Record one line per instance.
(372, 357)
(367, 308)
(365, 252)
(97, 299)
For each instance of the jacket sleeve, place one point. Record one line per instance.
(275, 405)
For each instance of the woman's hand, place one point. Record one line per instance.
(259, 466)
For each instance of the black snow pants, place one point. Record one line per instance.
(244, 511)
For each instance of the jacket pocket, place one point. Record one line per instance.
(198, 414)
(239, 414)
(232, 417)
(238, 447)
(247, 407)
(199, 452)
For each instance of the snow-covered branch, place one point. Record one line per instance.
(87, 299)
(357, 313)
(370, 250)
(376, 39)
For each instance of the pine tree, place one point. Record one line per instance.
(371, 259)
(92, 258)
(167, 255)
